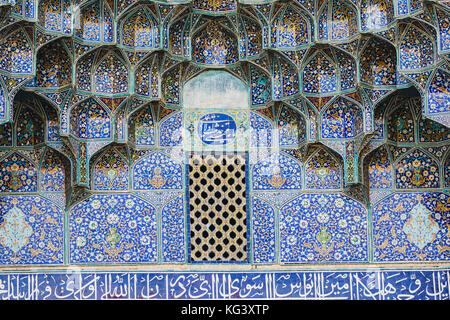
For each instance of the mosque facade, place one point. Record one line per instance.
(216, 149)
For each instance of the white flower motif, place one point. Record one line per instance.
(81, 241)
(112, 218)
(343, 223)
(96, 204)
(145, 240)
(291, 240)
(305, 203)
(112, 202)
(303, 224)
(129, 203)
(93, 225)
(323, 217)
(355, 239)
(339, 203)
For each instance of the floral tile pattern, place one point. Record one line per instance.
(329, 118)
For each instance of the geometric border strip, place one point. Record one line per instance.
(74, 284)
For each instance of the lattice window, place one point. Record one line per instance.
(217, 200)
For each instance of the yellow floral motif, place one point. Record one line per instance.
(276, 180)
(158, 180)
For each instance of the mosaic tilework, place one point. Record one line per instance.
(53, 173)
(157, 171)
(173, 232)
(444, 26)
(89, 120)
(17, 47)
(96, 23)
(143, 127)
(319, 228)
(30, 130)
(111, 76)
(261, 131)
(110, 172)
(380, 170)
(411, 227)
(278, 171)
(447, 173)
(54, 67)
(147, 81)
(439, 90)
(209, 130)
(322, 172)
(18, 174)
(292, 29)
(263, 232)
(342, 119)
(343, 21)
(219, 47)
(113, 229)
(431, 131)
(376, 14)
(378, 64)
(55, 15)
(291, 128)
(31, 231)
(261, 87)
(214, 6)
(401, 125)
(139, 30)
(319, 75)
(417, 170)
(170, 131)
(416, 50)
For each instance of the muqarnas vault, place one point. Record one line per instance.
(227, 132)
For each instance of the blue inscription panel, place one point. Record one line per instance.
(217, 129)
(306, 285)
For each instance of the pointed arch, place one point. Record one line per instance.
(378, 63)
(89, 120)
(30, 128)
(147, 80)
(96, 23)
(323, 171)
(142, 127)
(16, 52)
(376, 14)
(214, 44)
(111, 75)
(110, 172)
(320, 75)
(291, 127)
(157, 171)
(401, 122)
(416, 169)
(291, 29)
(342, 119)
(139, 30)
(53, 66)
(378, 167)
(55, 15)
(277, 172)
(18, 174)
(416, 49)
(54, 172)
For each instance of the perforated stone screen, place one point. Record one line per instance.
(218, 207)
